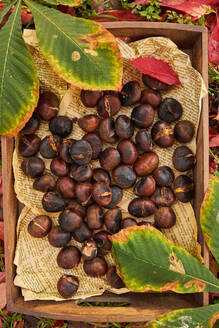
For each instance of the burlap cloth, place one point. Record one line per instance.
(37, 270)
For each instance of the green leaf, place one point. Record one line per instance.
(70, 3)
(83, 52)
(146, 260)
(209, 217)
(202, 317)
(18, 77)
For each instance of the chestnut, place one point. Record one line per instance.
(66, 187)
(58, 238)
(145, 186)
(83, 193)
(89, 250)
(94, 217)
(183, 159)
(107, 130)
(165, 217)
(164, 176)
(108, 106)
(59, 167)
(40, 226)
(170, 110)
(44, 183)
(141, 207)
(95, 142)
(113, 279)
(112, 220)
(153, 83)
(109, 158)
(96, 267)
(28, 145)
(184, 188)
(143, 141)
(61, 126)
(74, 206)
(128, 151)
(111, 93)
(52, 202)
(82, 234)
(32, 125)
(117, 195)
(101, 193)
(68, 257)
(81, 152)
(49, 146)
(124, 176)
(103, 243)
(89, 123)
(128, 222)
(184, 131)
(64, 151)
(143, 116)
(81, 173)
(90, 98)
(48, 105)
(33, 167)
(146, 163)
(70, 221)
(130, 94)
(163, 196)
(67, 286)
(100, 175)
(124, 127)
(162, 134)
(150, 97)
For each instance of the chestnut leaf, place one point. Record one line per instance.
(83, 52)
(70, 3)
(147, 261)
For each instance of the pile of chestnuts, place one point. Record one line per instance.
(88, 198)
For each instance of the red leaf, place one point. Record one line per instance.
(213, 46)
(2, 230)
(214, 141)
(0, 182)
(58, 323)
(157, 69)
(25, 16)
(120, 15)
(2, 277)
(66, 10)
(2, 295)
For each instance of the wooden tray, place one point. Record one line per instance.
(142, 307)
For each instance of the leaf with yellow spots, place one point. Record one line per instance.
(81, 51)
(147, 261)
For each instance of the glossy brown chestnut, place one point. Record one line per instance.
(107, 130)
(141, 207)
(49, 146)
(81, 152)
(113, 279)
(66, 187)
(153, 83)
(150, 97)
(130, 94)
(32, 125)
(143, 116)
(48, 105)
(165, 218)
(128, 151)
(89, 123)
(163, 196)
(96, 267)
(44, 183)
(90, 98)
(124, 176)
(112, 220)
(64, 151)
(89, 250)
(33, 167)
(52, 202)
(128, 222)
(184, 188)
(70, 221)
(74, 206)
(81, 173)
(83, 193)
(28, 145)
(95, 142)
(103, 243)
(67, 286)
(117, 195)
(100, 175)
(145, 186)
(68, 257)
(58, 238)
(143, 141)
(164, 176)
(162, 134)
(146, 163)
(101, 193)
(109, 158)
(183, 159)
(108, 106)
(61, 126)
(170, 110)
(124, 127)
(82, 234)
(94, 217)
(184, 131)
(40, 226)
(59, 167)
